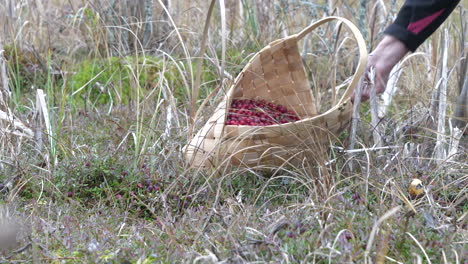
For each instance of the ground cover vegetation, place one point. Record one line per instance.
(99, 97)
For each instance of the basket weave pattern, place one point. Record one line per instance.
(275, 74)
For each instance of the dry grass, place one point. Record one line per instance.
(103, 180)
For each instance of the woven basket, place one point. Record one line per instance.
(275, 74)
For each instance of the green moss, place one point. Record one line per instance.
(121, 80)
(100, 81)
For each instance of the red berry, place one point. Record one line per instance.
(348, 235)
(258, 113)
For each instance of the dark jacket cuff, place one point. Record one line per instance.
(411, 41)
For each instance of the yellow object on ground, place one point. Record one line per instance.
(416, 189)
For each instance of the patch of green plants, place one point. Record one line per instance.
(122, 79)
(90, 179)
(94, 179)
(364, 112)
(101, 81)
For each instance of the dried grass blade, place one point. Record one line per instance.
(376, 227)
(196, 86)
(222, 8)
(420, 246)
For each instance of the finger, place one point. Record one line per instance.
(365, 93)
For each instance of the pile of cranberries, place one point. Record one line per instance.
(250, 112)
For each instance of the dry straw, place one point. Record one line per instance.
(275, 74)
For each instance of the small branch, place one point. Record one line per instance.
(20, 250)
(365, 149)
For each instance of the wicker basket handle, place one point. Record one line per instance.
(362, 50)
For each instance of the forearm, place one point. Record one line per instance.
(418, 19)
(389, 51)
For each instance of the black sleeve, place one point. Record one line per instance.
(418, 19)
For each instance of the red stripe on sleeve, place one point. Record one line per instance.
(418, 26)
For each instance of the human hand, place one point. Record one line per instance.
(381, 62)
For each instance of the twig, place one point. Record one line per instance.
(20, 250)
(365, 149)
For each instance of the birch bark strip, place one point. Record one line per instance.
(456, 134)
(355, 120)
(4, 77)
(41, 107)
(440, 153)
(374, 105)
(17, 125)
(461, 108)
(390, 91)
